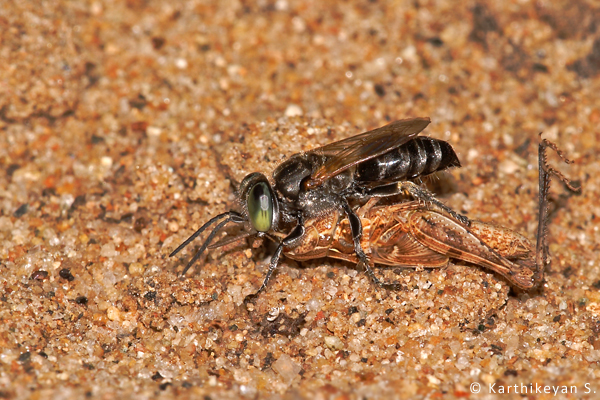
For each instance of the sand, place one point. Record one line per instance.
(124, 126)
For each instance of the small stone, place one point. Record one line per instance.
(334, 342)
(136, 269)
(293, 110)
(433, 380)
(154, 131)
(21, 211)
(106, 161)
(509, 167)
(108, 250)
(113, 313)
(462, 363)
(593, 308)
(181, 63)
(81, 300)
(63, 376)
(410, 53)
(65, 273)
(173, 226)
(235, 291)
(487, 378)
(286, 368)
(39, 275)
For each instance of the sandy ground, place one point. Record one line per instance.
(125, 125)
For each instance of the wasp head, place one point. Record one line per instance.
(259, 202)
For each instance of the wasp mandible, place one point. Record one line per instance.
(322, 203)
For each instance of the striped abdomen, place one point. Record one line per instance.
(419, 157)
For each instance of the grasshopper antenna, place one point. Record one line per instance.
(546, 172)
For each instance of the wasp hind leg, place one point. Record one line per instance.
(420, 194)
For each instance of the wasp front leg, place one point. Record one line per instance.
(316, 238)
(292, 237)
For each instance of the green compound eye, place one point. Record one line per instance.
(260, 207)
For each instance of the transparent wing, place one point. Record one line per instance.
(365, 146)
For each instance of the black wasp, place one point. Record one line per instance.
(309, 185)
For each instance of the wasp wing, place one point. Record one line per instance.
(365, 146)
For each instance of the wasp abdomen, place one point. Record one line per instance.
(418, 157)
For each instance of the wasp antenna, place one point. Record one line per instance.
(198, 232)
(230, 216)
(205, 245)
(228, 240)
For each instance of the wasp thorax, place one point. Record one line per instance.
(289, 175)
(260, 206)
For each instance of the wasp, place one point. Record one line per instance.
(323, 203)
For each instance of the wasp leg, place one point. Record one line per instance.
(356, 228)
(420, 194)
(297, 232)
